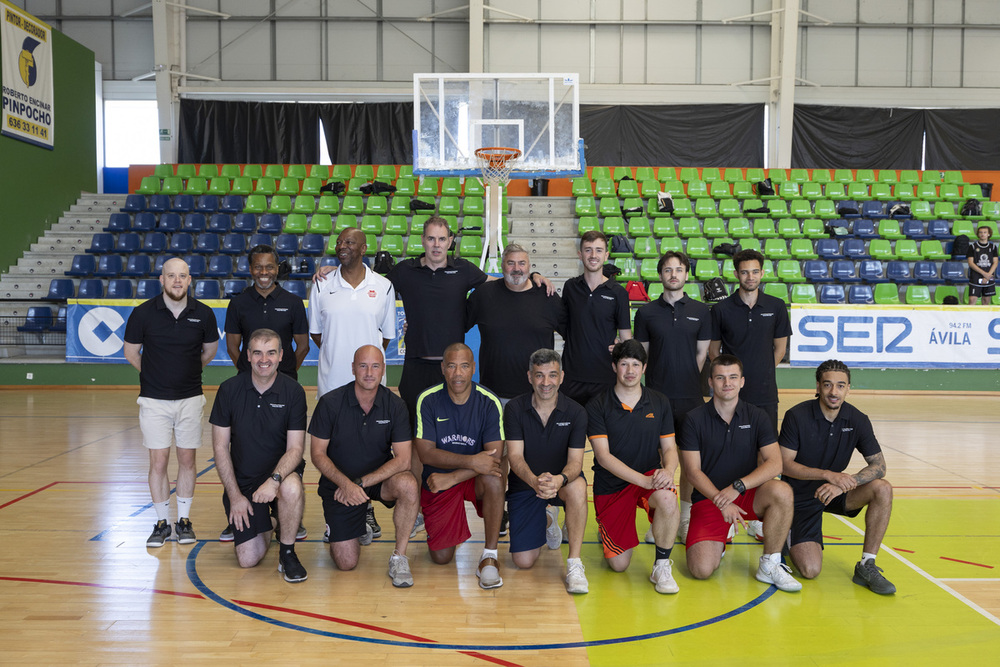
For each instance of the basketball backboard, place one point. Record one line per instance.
(539, 114)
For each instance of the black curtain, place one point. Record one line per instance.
(857, 137)
(363, 133)
(246, 132)
(683, 135)
(963, 138)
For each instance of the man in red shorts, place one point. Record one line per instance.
(720, 444)
(631, 429)
(460, 442)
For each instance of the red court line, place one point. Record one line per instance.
(903, 550)
(28, 495)
(138, 589)
(966, 562)
(831, 537)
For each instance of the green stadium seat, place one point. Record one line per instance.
(280, 204)
(393, 244)
(693, 291)
(196, 186)
(820, 176)
(310, 186)
(706, 269)
(406, 186)
(963, 227)
(231, 171)
(777, 176)
(414, 245)
(835, 191)
(777, 208)
(699, 248)
(582, 187)
(649, 189)
(825, 209)
(588, 224)
(812, 191)
(906, 249)
(473, 206)
(321, 171)
(776, 248)
(645, 247)
(705, 208)
(886, 293)
(903, 192)
(386, 173)
(954, 178)
(399, 205)
(255, 204)
(671, 244)
(605, 187)
(750, 205)
(289, 186)
(664, 174)
(714, 227)
(664, 226)
(296, 171)
(417, 224)
(265, 186)
(320, 223)
(634, 206)
(778, 290)
(688, 227)
(943, 291)
(763, 228)
(647, 269)
(428, 186)
(628, 189)
(629, 269)
(918, 295)
(241, 186)
(752, 244)
(730, 208)
(330, 204)
(932, 249)
(682, 207)
(733, 174)
(172, 185)
(376, 205)
(921, 210)
(802, 249)
(613, 227)
(365, 171)
(150, 185)
(889, 229)
(600, 173)
(719, 190)
(689, 174)
(739, 228)
(788, 190)
(844, 176)
(304, 204)
(275, 171)
(788, 228)
(798, 175)
(396, 225)
(743, 190)
(295, 223)
(881, 249)
(609, 207)
(163, 170)
(950, 192)
(857, 191)
(645, 174)
(219, 186)
(803, 293)
(944, 210)
(711, 174)
(972, 191)
(353, 205)
(343, 221)
(881, 191)
(926, 191)
(371, 224)
(639, 227)
(585, 206)
(790, 271)
(697, 189)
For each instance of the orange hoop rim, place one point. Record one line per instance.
(497, 156)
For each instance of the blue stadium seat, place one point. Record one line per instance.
(828, 249)
(234, 244)
(312, 244)
(207, 289)
(926, 273)
(90, 288)
(844, 271)
(38, 319)
(848, 209)
(197, 265)
(855, 249)
(119, 288)
(860, 294)
(118, 222)
(154, 243)
(872, 271)
(158, 204)
(128, 243)
(220, 223)
(181, 243)
(296, 287)
(233, 287)
(286, 244)
(831, 294)
(147, 288)
(158, 262)
(939, 229)
(914, 229)
(219, 266)
(82, 266)
(270, 223)
(143, 222)
(61, 289)
(59, 324)
(194, 223)
(231, 204)
(108, 266)
(875, 210)
(137, 266)
(242, 269)
(169, 223)
(207, 204)
(864, 229)
(954, 272)
(101, 243)
(303, 267)
(207, 244)
(260, 239)
(245, 223)
(134, 204)
(816, 271)
(898, 271)
(182, 204)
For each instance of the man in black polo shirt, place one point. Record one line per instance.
(817, 440)
(266, 305)
(361, 444)
(546, 434)
(515, 318)
(676, 330)
(169, 339)
(754, 327)
(721, 444)
(258, 435)
(631, 430)
(597, 312)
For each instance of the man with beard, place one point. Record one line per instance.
(597, 311)
(258, 436)
(266, 305)
(169, 339)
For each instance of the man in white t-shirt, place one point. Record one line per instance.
(354, 307)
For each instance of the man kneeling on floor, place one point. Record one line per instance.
(721, 443)
(361, 445)
(546, 434)
(258, 436)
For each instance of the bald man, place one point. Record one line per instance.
(169, 339)
(360, 442)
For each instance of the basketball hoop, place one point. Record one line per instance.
(496, 163)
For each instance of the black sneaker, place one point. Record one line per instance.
(290, 566)
(370, 518)
(160, 534)
(870, 575)
(185, 532)
(503, 523)
(227, 535)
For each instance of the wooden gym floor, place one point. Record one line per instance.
(78, 586)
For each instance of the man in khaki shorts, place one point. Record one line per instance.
(169, 339)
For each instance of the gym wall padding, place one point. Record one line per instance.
(36, 184)
(856, 138)
(247, 132)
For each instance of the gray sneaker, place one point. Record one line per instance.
(418, 525)
(553, 534)
(778, 574)
(160, 534)
(488, 573)
(366, 539)
(399, 571)
(301, 533)
(185, 531)
(869, 574)
(227, 535)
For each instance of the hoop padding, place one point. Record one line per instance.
(496, 163)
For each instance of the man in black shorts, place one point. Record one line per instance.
(631, 430)
(266, 305)
(460, 441)
(982, 258)
(515, 318)
(169, 339)
(546, 434)
(597, 311)
(721, 444)
(361, 444)
(675, 330)
(258, 436)
(817, 440)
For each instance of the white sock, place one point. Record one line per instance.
(162, 510)
(184, 507)
(489, 553)
(774, 558)
(865, 557)
(685, 510)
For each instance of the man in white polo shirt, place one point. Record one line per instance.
(354, 307)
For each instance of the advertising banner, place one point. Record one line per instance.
(26, 62)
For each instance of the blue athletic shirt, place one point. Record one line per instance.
(459, 429)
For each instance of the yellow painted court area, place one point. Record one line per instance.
(78, 585)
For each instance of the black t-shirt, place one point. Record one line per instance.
(983, 256)
(749, 333)
(546, 448)
(434, 302)
(826, 445)
(673, 332)
(633, 435)
(281, 311)
(359, 443)
(512, 325)
(171, 348)
(592, 323)
(259, 423)
(728, 451)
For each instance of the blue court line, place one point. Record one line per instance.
(192, 572)
(100, 535)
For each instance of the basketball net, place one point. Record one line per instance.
(495, 164)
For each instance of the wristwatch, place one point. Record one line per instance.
(739, 486)
(358, 482)
(276, 477)
(565, 478)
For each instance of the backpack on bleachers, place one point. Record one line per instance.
(899, 210)
(665, 202)
(763, 188)
(972, 207)
(384, 262)
(960, 246)
(621, 244)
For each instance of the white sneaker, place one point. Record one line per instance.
(366, 539)
(488, 573)
(755, 529)
(731, 534)
(576, 580)
(399, 571)
(553, 534)
(649, 539)
(663, 577)
(778, 574)
(418, 525)
(682, 530)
